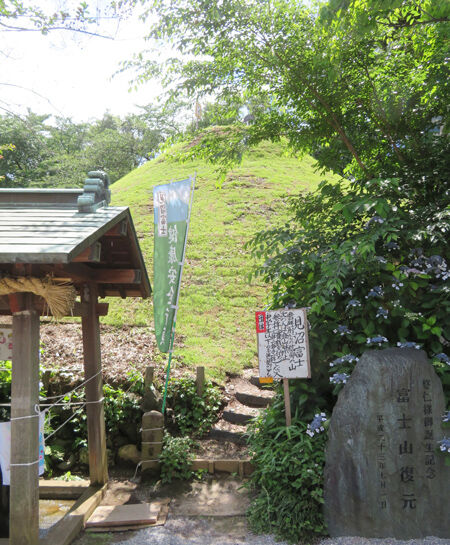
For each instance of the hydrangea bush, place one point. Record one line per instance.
(371, 262)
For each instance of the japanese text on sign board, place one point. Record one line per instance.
(162, 217)
(283, 344)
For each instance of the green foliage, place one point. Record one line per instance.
(193, 415)
(288, 477)
(123, 415)
(370, 262)
(176, 458)
(350, 81)
(5, 389)
(36, 151)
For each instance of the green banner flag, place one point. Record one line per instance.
(171, 215)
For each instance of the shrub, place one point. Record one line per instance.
(371, 263)
(176, 458)
(122, 414)
(288, 476)
(193, 415)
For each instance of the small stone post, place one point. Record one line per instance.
(152, 436)
(148, 379)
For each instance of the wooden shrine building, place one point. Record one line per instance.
(69, 240)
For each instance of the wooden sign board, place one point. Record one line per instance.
(283, 347)
(5, 342)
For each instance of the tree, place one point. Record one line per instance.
(24, 149)
(363, 86)
(35, 152)
(355, 82)
(22, 16)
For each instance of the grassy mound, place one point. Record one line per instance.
(215, 324)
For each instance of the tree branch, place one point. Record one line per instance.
(9, 28)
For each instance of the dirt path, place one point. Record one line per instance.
(207, 512)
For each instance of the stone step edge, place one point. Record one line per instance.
(243, 468)
(239, 419)
(226, 435)
(252, 400)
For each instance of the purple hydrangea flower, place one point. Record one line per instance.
(382, 313)
(392, 245)
(443, 358)
(380, 259)
(316, 424)
(342, 330)
(353, 303)
(339, 378)
(409, 344)
(446, 417)
(375, 219)
(348, 358)
(379, 339)
(397, 284)
(347, 291)
(445, 444)
(376, 291)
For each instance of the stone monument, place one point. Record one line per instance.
(384, 474)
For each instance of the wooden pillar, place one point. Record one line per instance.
(200, 380)
(24, 492)
(98, 465)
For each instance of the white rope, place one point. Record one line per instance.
(76, 388)
(69, 404)
(63, 424)
(28, 464)
(24, 417)
(83, 403)
(139, 465)
(151, 442)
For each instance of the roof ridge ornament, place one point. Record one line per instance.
(96, 192)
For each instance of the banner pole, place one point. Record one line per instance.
(188, 221)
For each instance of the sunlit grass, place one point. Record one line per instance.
(215, 324)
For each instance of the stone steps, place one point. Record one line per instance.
(252, 400)
(245, 403)
(240, 419)
(225, 435)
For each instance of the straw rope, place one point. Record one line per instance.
(60, 297)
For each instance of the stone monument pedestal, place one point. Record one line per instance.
(384, 473)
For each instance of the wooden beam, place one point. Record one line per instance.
(117, 276)
(61, 490)
(119, 230)
(24, 500)
(90, 255)
(41, 308)
(68, 528)
(82, 309)
(121, 292)
(81, 273)
(98, 467)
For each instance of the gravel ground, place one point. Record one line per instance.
(224, 531)
(386, 541)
